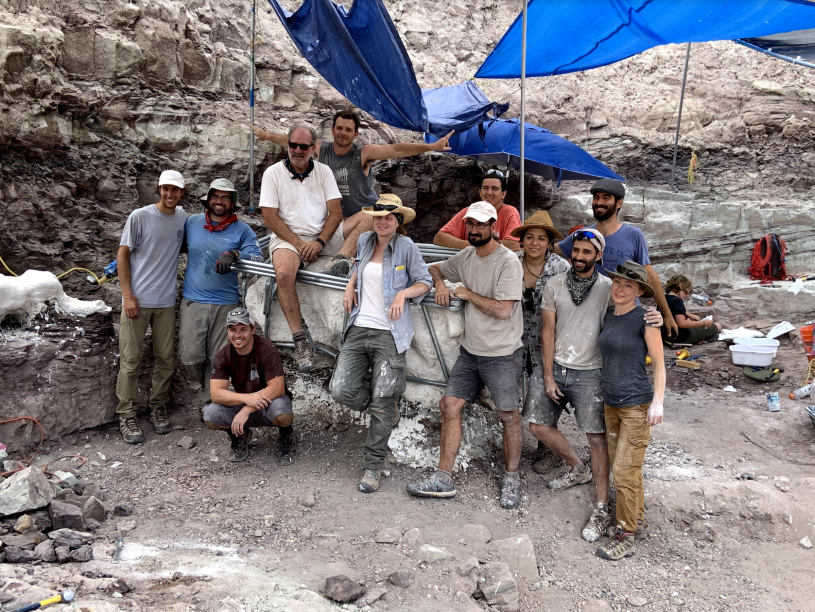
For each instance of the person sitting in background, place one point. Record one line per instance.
(692, 328)
(493, 190)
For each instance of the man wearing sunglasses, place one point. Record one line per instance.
(491, 349)
(351, 164)
(623, 242)
(493, 190)
(215, 240)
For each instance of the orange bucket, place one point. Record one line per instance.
(806, 334)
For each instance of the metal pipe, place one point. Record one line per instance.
(523, 109)
(679, 120)
(435, 340)
(252, 113)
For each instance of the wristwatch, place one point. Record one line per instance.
(320, 240)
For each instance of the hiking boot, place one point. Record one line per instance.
(288, 449)
(240, 445)
(302, 351)
(370, 481)
(578, 475)
(547, 462)
(485, 399)
(131, 432)
(339, 265)
(620, 546)
(511, 493)
(432, 487)
(158, 417)
(597, 524)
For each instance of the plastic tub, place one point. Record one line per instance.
(761, 356)
(757, 342)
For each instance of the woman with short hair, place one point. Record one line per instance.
(692, 328)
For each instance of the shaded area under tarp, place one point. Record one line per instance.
(573, 35)
(498, 142)
(797, 47)
(359, 52)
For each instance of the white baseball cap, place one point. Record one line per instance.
(481, 212)
(171, 177)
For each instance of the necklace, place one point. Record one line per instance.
(538, 275)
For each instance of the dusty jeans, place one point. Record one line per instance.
(363, 348)
(627, 434)
(131, 338)
(201, 334)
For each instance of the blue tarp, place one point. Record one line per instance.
(360, 53)
(498, 142)
(797, 47)
(573, 35)
(458, 107)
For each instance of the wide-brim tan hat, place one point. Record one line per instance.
(540, 219)
(389, 203)
(633, 271)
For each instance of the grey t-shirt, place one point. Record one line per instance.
(356, 188)
(499, 276)
(622, 342)
(577, 328)
(154, 240)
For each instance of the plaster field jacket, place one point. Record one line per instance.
(402, 266)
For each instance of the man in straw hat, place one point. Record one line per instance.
(216, 239)
(490, 352)
(148, 265)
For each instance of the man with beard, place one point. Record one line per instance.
(573, 309)
(490, 352)
(493, 190)
(215, 239)
(351, 165)
(623, 242)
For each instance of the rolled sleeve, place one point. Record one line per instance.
(249, 247)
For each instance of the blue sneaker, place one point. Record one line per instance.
(432, 487)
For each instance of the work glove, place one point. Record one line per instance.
(225, 261)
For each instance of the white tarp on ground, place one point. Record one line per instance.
(24, 296)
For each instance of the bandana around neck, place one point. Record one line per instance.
(578, 286)
(219, 227)
(299, 175)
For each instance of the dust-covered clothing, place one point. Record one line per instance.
(248, 373)
(498, 276)
(222, 416)
(356, 187)
(201, 334)
(154, 240)
(626, 244)
(577, 328)
(502, 375)
(622, 344)
(301, 205)
(582, 390)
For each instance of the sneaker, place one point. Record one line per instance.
(339, 265)
(288, 449)
(578, 475)
(547, 462)
(131, 432)
(511, 493)
(302, 351)
(240, 445)
(432, 487)
(485, 399)
(158, 417)
(370, 481)
(597, 524)
(621, 545)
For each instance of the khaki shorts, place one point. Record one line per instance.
(332, 247)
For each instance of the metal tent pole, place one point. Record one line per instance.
(679, 119)
(523, 108)
(252, 113)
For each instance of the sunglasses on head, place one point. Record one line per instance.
(622, 270)
(584, 235)
(495, 172)
(388, 207)
(299, 145)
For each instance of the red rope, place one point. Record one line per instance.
(24, 464)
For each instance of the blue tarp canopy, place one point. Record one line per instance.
(359, 52)
(498, 142)
(573, 35)
(796, 47)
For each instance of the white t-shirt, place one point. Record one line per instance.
(372, 301)
(301, 205)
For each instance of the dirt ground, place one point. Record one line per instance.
(725, 516)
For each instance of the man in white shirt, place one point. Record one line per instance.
(300, 201)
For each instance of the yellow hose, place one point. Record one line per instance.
(98, 280)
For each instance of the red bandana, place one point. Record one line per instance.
(220, 226)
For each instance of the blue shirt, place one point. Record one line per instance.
(201, 282)
(626, 244)
(402, 266)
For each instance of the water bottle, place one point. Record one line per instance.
(702, 300)
(801, 393)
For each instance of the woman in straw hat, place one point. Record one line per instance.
(389, 270)
(540, 263)
(632, 404)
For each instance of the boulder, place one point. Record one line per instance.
(342, 589)
(15, 554)
(45, 551)
(82, 554)
(70, 538)
(66, 516)
(62, 553)
(519, 554)
(25, 490)
(93, 509)
(498, 587)
(26, 541)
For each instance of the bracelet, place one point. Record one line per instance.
(320, 240)
(127, 297)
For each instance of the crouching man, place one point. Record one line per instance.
(260, 399)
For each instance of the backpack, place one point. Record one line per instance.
(767, 262)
